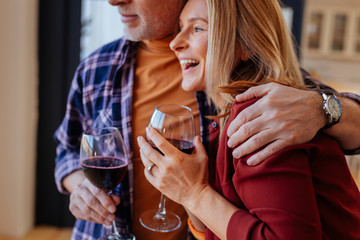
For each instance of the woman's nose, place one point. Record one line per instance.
(178, 43)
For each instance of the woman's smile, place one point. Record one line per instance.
(188, 65)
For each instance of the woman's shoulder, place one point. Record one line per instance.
(237, 107)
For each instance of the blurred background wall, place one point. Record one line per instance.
(43, 41)
(18, 114)
(331, 42)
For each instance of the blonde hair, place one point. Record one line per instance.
(249, 43)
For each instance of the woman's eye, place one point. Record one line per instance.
(198, 29)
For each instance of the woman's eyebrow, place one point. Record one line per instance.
(193, 19)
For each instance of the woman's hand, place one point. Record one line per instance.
(90, 203)
(179, 176)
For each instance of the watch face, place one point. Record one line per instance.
(334, 107)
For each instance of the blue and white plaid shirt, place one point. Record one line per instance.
(101, 94)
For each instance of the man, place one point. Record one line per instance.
(121, 83)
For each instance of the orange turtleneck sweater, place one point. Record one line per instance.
(157, 80)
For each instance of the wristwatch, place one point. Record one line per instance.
(332, 108)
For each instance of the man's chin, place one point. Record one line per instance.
(137, 35)
(141, 35)
(132, 37)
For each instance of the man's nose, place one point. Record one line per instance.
(117, 2)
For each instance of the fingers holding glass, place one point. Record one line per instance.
(85, 205)
(175, 124)
(146, 153)
(104, 161)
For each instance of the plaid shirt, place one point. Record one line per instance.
(101, 95)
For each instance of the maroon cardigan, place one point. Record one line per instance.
(303, 192)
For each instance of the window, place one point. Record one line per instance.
(100, 24)
(357, 36)
(288, 14)
(338, 39)
(314, 30)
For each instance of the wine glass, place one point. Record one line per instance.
(176, 124)
(104, 161)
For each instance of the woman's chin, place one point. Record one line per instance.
(187, 87)
(191, 86)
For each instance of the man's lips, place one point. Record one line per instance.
(126, 18)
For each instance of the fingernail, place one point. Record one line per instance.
(229, 143)
(250, 162)
(138, 139)
(228, 132)
(107, 223)
(112, 209)
(235, 154)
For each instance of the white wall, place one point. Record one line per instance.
(18, 114)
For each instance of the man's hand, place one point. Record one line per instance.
(88, 202)
(284, 116)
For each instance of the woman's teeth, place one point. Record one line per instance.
(187, 63)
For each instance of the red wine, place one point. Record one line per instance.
(184, 146)
(104, 172)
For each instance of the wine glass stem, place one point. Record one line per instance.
(162, 211)
(115, 231)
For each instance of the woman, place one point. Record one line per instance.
(303, 192)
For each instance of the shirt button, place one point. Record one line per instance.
(214, 124)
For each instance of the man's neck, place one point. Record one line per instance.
(160, 46)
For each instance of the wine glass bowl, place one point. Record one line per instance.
(176, 124)
(104, 172)
(104, 161)
(103, 157)
(173, 122)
